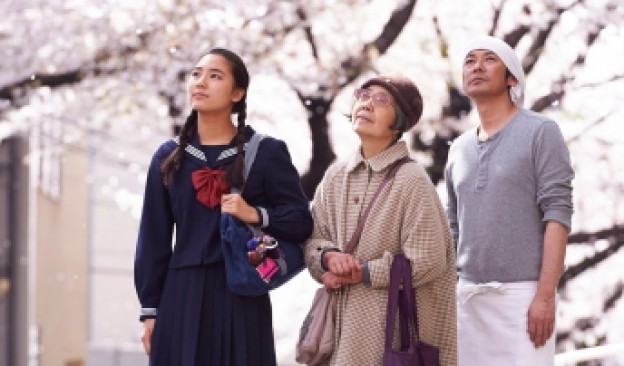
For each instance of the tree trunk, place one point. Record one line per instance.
(322, 152)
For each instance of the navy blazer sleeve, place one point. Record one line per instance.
(154, 248)
(287, 207)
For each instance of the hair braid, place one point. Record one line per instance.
(234, 173)
(171, 165)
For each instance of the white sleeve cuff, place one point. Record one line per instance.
(149, 311)
(264, 219)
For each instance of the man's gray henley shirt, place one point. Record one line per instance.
(502, 192)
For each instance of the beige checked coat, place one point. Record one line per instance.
(407, 217)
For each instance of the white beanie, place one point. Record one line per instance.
(509, 58)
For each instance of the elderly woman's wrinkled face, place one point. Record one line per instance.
(373, 114)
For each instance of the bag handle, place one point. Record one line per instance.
(404, 320)
(403, 300)
(410, 294)
(393, 302)
(357, 234)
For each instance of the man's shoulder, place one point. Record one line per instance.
(466, 138)
(536, 124)
(534, 119)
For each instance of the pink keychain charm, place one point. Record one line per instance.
(267, 269)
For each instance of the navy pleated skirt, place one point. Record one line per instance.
(201, 323)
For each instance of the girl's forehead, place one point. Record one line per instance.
(213, 60)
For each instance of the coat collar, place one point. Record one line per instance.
(380, 161)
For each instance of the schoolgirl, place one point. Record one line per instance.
(190, 317)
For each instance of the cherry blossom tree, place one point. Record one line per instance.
(111, 75)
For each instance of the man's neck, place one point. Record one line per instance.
(494, 115)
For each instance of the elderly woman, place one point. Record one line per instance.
(407, 217)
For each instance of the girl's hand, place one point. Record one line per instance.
(236, 206)
(146, 339)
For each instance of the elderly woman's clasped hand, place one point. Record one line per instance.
(343, 269)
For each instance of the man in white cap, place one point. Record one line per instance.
(509, 207)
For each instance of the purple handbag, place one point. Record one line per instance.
(412, 352)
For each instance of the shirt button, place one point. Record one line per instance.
(356, 200)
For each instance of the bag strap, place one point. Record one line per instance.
(404, 319)
(401, 297)
(251, 152)
(410, 294)
(393, 303)
(357, 234)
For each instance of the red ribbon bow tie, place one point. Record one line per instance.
(210, 185)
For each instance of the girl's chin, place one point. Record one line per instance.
(202, 108)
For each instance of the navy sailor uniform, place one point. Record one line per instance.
(198, 320)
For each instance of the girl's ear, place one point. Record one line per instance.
(237, 95)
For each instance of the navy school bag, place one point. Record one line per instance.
(276, 268)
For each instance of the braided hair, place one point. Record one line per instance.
(234, 172)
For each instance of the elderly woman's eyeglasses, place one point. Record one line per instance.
(380, 99)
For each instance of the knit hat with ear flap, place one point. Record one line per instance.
(406, 95)
(509, 58)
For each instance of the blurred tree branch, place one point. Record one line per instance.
(580, 134)
(496, 17)
(601, 83)
(583, 237)
(537, 46)
(558, 89)
(308, 32)
(15, 91)
(11, 91)
(615, 235)
(513, 37)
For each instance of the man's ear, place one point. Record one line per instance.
(237, 95)
(511, 80)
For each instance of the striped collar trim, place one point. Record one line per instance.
(200, 154)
